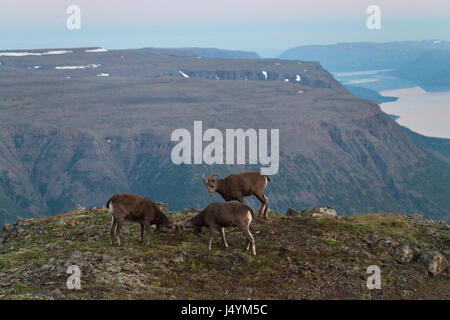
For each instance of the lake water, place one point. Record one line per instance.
(427, 113)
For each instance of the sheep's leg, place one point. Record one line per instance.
(119, 225)
(112, 230)
(211, 236)
(147, 227)
(263, 199)
(250, 238)
(266, 210)
(141, 240)
(222, 233)
(247, 246)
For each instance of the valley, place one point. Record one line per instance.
(71, 137)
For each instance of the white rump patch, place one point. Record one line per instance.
(103, 75)
(298, 78)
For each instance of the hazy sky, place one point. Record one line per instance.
(267, 27)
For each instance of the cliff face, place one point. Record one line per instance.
(301, 257)
(70, 136)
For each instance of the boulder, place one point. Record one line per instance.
(163, 206)
(79, 209)
(317, 211)
(434, 261)
(7, 228)
(404, 253)
(292, 212)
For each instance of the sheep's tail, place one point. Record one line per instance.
(109, 206)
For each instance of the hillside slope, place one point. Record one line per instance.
(300, 257)
(356, 56)
(431, 69)
(85, 125)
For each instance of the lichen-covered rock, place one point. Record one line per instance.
(434, 261)
(7, 228)
(317, 211)
(292, 212)
(162, 206)
(79, 209)
(404, 253)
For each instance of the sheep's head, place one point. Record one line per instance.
(192, 225)
(169, 227)
(211, 184)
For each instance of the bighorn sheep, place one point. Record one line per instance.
(238, 186)
(131, 207)
(222, 215)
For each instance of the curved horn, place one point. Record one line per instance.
(212, 176)
(204, 179)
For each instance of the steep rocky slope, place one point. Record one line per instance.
(431, 69)
(70, 136)
(300, 257)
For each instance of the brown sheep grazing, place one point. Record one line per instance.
(131, 207)
(222, 215)
(238, 186)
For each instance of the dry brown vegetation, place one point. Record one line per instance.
(298, 258)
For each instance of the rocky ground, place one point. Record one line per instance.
(310, 255)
